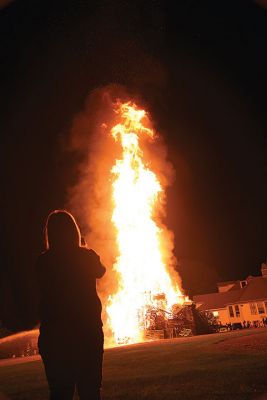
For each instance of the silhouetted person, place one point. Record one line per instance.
(71, 336)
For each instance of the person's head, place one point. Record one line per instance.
(61, 231)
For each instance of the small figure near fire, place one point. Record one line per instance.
(71, 336)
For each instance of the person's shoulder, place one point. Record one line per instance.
(88, 253)
(92, 259)
(96, 264)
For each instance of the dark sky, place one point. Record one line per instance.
(201, 69)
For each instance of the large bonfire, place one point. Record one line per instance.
(145, 283)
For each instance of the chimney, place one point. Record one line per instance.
(264, 269)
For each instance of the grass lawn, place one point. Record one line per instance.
(226, 366)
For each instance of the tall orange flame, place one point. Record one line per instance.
(144, 277)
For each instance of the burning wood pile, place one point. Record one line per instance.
(184, 320)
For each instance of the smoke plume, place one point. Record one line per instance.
(90, 199)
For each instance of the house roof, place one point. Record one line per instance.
(255, 290)
(213, 301)
(226, 283)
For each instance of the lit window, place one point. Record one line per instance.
(231, 311)
(215, 313)
(260, 307)
(253, 308)
(237, 311)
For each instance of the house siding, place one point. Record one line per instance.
(245, 313)
(223, 316)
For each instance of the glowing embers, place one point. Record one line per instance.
(144, 280)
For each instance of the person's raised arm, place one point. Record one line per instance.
(98, 267)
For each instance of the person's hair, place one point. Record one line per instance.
(61, 231)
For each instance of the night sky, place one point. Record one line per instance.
(201, 71)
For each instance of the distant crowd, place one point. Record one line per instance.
(246, 324)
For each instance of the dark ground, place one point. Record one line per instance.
(209, 367)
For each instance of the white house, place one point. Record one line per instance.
(237, 301)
